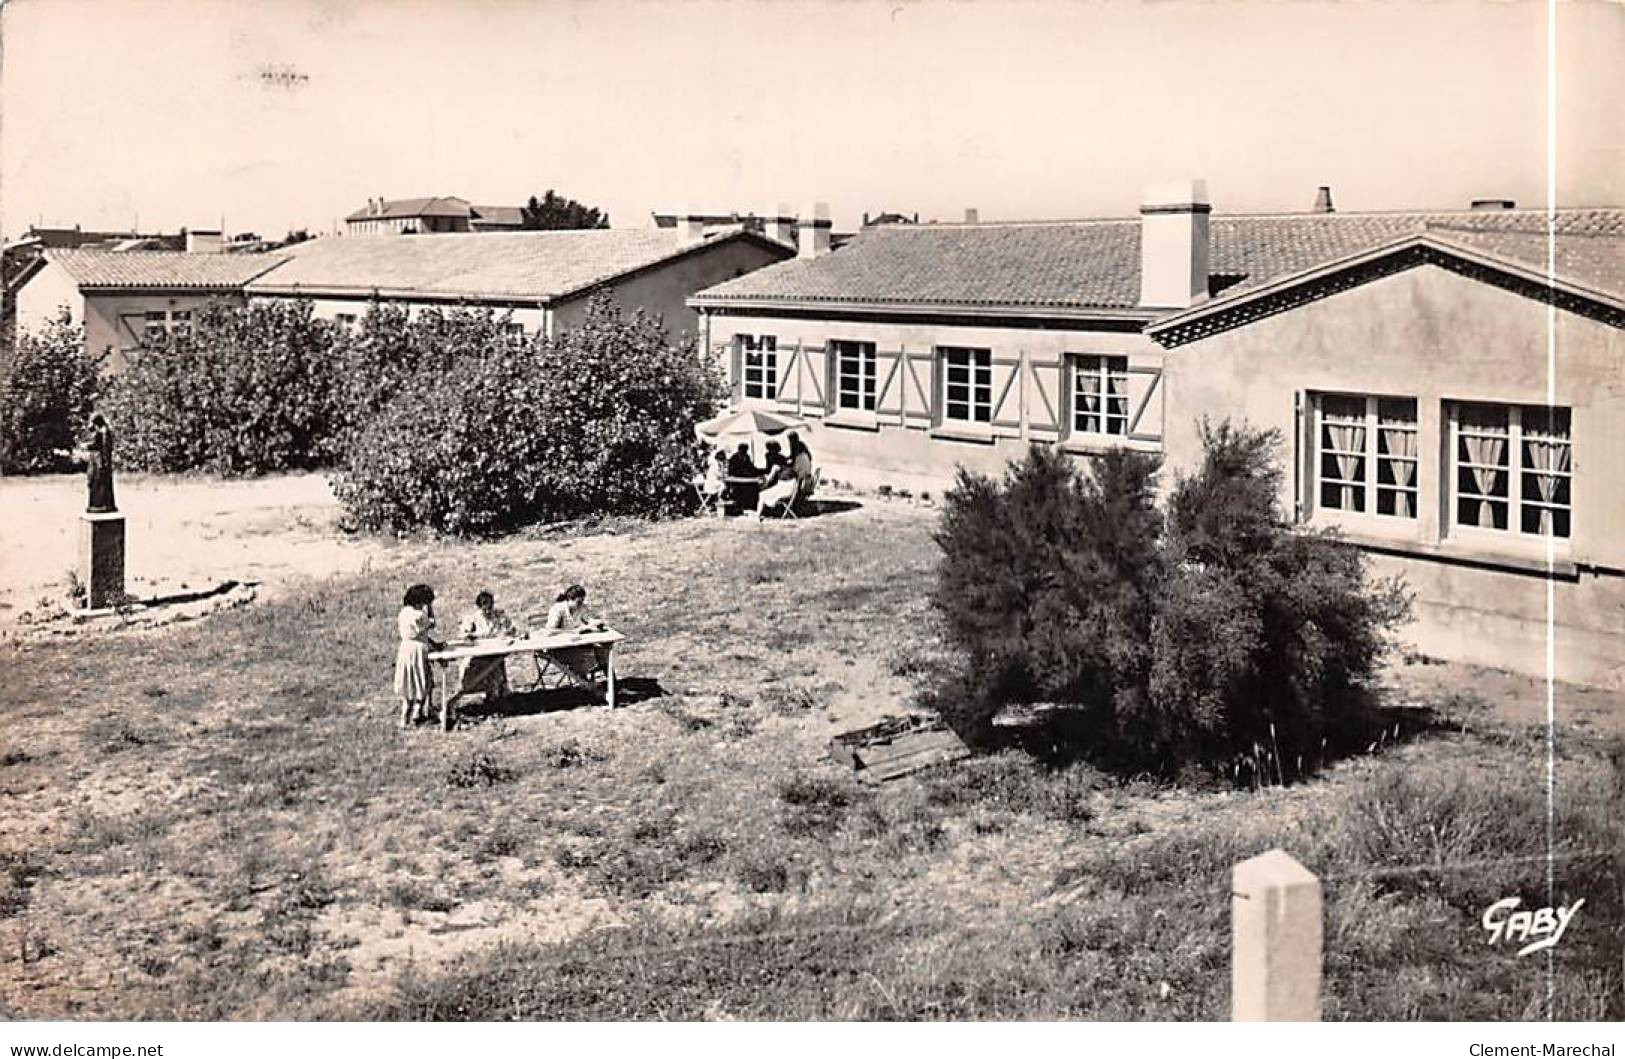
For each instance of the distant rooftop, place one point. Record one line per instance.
(161, 269)
(529, 265)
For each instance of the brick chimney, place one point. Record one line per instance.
(972, 215)
(1174, 244)
(814, 233)
(1323, 200)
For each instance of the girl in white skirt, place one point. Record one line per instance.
(412, 680)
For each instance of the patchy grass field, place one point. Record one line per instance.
(220, 820)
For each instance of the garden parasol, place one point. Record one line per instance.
(747, 424)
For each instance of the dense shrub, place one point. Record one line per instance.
(599, 420)
(244, 391)
(390, 351)
(1182, 638)
(45, 398)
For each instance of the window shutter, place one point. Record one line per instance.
(1301, 447)
(736, 369)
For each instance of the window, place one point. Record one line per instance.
(967, 377)
(1512, 468)
(180, 321)
(515, 331)
(1100, 395)
(157, 324)
(346, 321)
(854, 375)
(1366, 454)
(761, 364)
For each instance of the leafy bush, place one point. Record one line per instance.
(45, 396)
(244, 391)
(1184, 638)
(599, 420)
(390, 352)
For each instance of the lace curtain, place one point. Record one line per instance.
(1549, 459)
(1399, 445)
(1349, 439)
(1490, 453)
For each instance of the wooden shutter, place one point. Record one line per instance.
(815, 379)
(919, 388)
(1146, 402)
(891, 394)
(787, 363)
(1005, 416)
(1045, 407)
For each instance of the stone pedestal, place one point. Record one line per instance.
(101, 558)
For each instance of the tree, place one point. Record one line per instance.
(553, 212)
(45, 398)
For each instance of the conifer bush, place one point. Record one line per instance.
(46, 393)
(1180, 636)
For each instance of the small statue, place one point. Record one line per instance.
(99, 465)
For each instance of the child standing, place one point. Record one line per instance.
(412, 680)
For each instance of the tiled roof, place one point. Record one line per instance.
(162, 269)
(1095, 264)
(1594, 259)
(431, 206)
(508, 216)
(539, 265)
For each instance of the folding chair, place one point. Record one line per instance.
(710, 503)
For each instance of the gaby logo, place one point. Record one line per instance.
(1540, 928)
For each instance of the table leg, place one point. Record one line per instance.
(445, 698)
(609, 664)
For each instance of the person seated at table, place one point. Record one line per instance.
(569, 615)
(740, 464)
(775, 457)
(485, 622)
(743, 476)
(779, 487)
(715, 481)
(801, 463)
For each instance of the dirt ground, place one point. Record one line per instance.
(181, 534)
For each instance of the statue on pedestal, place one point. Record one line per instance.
(99, 466)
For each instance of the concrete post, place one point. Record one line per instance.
(1275, 942)
(101, 558)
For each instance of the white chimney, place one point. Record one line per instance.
(691, 225)
(1174, 244)
(204, 241)
(781, 225)
(814, 233)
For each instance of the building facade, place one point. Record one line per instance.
(429, 215)
(122, 297)
(1403, 357)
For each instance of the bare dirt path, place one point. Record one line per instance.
(182, 534)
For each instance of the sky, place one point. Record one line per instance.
(277, 114)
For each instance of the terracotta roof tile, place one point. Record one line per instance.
(1095, 264)
(168, 269)
(539, 265)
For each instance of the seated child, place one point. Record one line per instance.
(484, 622)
